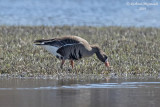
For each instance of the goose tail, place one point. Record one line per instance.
(41, 42)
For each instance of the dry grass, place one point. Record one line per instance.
(131, 51)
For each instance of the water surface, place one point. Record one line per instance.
(80, 12)
(76, 93)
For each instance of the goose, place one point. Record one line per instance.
(71, 48)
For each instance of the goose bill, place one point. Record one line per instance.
(107, 64)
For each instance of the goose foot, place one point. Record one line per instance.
(72, 63)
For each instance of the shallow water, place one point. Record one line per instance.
(80, 12)
(76, 93)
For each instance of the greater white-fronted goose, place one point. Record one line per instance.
(72, 48)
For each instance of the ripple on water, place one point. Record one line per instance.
(99, 85)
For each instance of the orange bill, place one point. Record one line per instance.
(107, 64)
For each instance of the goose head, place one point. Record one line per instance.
(103, 57)
(100, 55)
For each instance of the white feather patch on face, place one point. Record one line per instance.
(51, 49)
(106, 60)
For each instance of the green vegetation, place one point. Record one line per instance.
(131, 51)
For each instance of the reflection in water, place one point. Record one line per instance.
(50, 93)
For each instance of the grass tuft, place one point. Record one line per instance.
(131, 51)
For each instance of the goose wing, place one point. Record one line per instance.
(58, 42)
(50, 42)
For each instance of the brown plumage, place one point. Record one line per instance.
(72, 48)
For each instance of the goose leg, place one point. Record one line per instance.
(72, 63)
(63, 61)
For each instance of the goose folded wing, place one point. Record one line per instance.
(51, 42)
